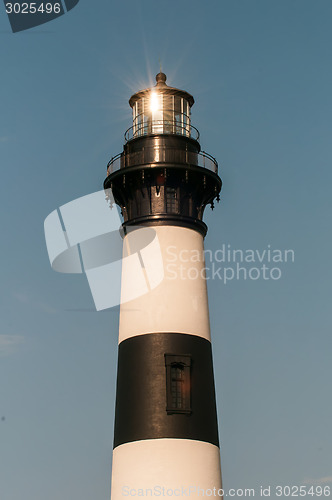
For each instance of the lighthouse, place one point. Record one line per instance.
(165, 433)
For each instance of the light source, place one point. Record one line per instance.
(154, 102)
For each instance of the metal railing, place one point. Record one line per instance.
(161, 127)
(162, 155)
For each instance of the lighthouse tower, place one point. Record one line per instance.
(166, 435)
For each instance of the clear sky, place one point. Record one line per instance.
(261, 75)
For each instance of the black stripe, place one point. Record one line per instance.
(141, 390)
(168, 220)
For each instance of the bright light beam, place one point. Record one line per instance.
(154, 102)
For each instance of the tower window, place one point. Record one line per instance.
(172, 202)
(178, 390)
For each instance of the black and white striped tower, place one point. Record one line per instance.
(166, 433)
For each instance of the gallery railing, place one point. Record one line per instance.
(162, 155)
(161, 127)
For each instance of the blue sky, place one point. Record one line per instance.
(261, 75)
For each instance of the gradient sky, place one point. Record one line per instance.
(261, 75)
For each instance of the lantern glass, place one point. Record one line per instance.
(161, 113)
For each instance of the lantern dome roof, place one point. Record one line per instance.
(162, 88)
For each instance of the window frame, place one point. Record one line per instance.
(182, 361)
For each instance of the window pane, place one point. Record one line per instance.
(172, 203)
(177, 386)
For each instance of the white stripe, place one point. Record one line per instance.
(179, 303)
(172, 464)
